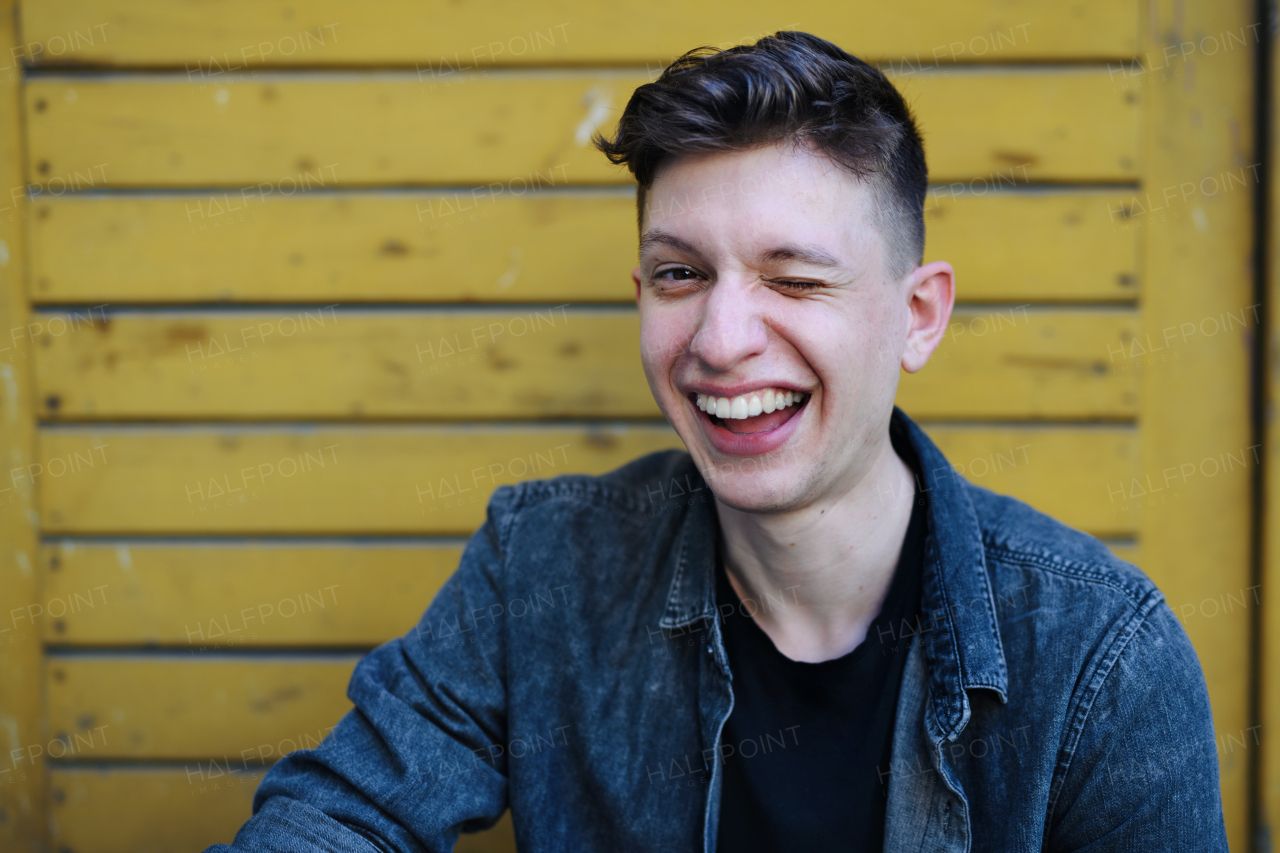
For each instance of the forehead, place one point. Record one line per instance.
(768, 192)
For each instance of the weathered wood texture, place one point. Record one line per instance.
(348, 190)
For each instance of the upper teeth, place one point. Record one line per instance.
(748, 405)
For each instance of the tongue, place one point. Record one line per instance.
(760, 423)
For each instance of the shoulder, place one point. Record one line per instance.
(1083, 631)
(609, 538)
(1015, 534)
(631, 488)
(1065, 602)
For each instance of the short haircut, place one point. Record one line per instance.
(787, 87)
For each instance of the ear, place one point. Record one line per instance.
(635, 276)
(931, 290)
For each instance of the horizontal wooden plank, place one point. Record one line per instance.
(422, 480)
(246, 595)
(339, 480)
(290, 132)
(255, 34)
(237, 595)
(1018, 362)
(1020, 247)
(539, 247)
(243, 595)
(191, 707)
(1062, 471)
(349, 247)
(151, 810)
(324, 363)
(158, 809)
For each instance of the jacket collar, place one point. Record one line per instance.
(958, 610)
(958, 615)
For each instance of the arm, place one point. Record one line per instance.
(410, 766)
(1143, 774)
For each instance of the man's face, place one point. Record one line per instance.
(761, 274)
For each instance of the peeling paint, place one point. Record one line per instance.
(10, 392)
(11, 732)
(508, 278)
(598, 99)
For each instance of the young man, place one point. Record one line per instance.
(806, 633)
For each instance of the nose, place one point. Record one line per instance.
(732, 327)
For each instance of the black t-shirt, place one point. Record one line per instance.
(807, 745)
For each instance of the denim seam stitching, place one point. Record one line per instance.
(589, 493)
(955, 645)
(1097, 681)
(1082, 571)
(677, 583)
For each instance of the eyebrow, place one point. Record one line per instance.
(811, 255)
(654, 238)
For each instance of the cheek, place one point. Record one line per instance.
(665, 333)
(852, 349)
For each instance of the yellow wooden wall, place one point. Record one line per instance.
(289, 288)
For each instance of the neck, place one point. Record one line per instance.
(819, 575)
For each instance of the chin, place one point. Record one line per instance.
(756, 484)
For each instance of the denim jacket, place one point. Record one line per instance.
(572, 670)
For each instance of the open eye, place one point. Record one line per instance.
(677, 274)
(678, 279)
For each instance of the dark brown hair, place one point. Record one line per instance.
(790, 86)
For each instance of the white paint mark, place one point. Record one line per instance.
(598, 99)
(10, 392)
(221, 95)
(124, 558)
(71, 96)
(4, 254)
(509, 277)
(11, 732)
(1200, 219)
(24, 563)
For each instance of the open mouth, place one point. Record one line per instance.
(762, 410)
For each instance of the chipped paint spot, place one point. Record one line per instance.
(10, 392)
(124, 558)
(598, 99)
(11, 732)
(221, 95)
(508, 278)
(4, 254)
(1200, 218)
(71, 96)
(24, 563)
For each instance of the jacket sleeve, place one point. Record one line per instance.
(1142, 774)
(419, 757)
